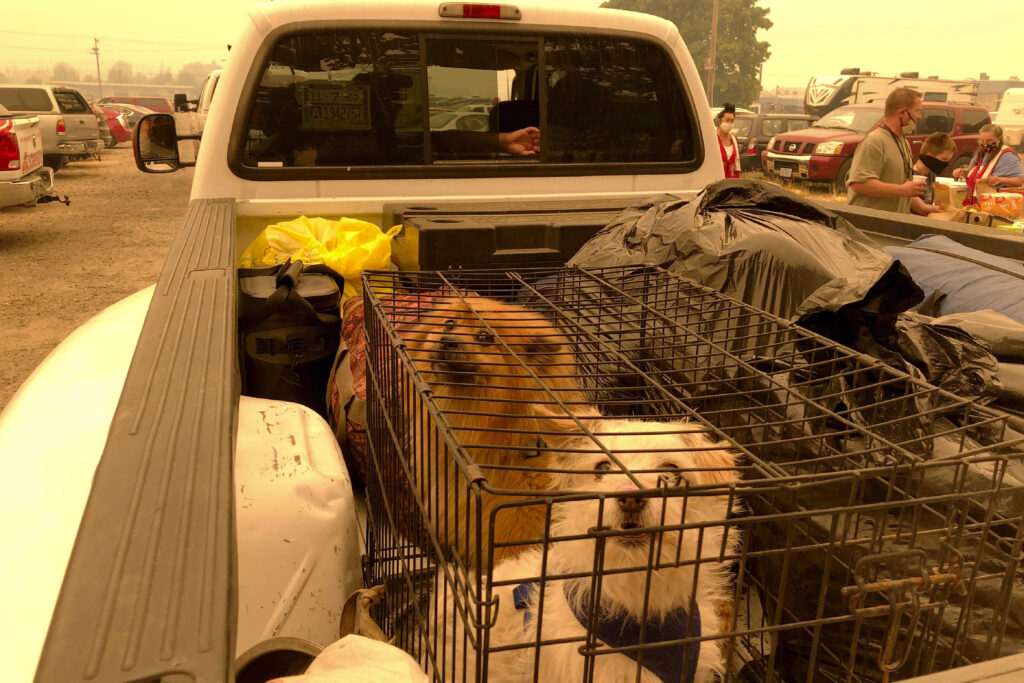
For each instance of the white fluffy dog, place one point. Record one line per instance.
(675, 580)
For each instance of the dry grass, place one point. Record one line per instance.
(804, 189)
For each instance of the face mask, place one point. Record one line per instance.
(725, 126)
(934, 164)
(988, 147)
(909, 126)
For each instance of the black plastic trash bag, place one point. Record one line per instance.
(766, 247)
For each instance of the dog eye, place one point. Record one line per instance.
(484, 337)
(449, 325)
(602, 466)
(674, 476)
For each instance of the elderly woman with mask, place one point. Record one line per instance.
(728, 145)
(994, 162)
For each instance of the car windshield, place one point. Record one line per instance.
(355, 97)
(859, 120)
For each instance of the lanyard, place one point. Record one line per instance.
(908, 167)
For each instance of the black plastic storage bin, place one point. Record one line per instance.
(442, 235)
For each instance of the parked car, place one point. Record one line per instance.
(739, 110)
(157, 104)
(459, 120)
(823, 152)
(132, 114)
(113, 126)
(68, 126)
(753, 131)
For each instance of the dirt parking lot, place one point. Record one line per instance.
(61, 264)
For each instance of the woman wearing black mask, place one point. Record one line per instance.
(936, 151)
(994, 162)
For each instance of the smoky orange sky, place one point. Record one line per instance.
(945, 38)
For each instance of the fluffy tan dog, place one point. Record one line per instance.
(675, 580)
(492, 369)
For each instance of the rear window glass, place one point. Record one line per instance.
(934, 121)
(25, 99)
(974, 120)
(770, 127)
(375, 98)
(70, 102)
(151, 102)
(797, 124)
(741, 126)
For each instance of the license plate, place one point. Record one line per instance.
(786, 172)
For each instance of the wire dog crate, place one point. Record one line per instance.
(537, 482)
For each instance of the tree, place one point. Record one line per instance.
(739, 55)
(194, 73)
(62, 71)
(120, 72)
(162, 76)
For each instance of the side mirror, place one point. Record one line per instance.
(155, 142)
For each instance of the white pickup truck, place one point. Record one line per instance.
(158, 525)
(23, 178)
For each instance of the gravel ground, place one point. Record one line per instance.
(61, 264)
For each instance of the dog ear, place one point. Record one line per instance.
(560, 432)
(718, 459)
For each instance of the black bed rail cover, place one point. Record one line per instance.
(149, 593)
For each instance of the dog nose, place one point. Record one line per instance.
(449, 343)
(630, 504)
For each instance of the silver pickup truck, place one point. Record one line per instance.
(68, 125)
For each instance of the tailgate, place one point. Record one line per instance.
(79, 119)
(30, 145)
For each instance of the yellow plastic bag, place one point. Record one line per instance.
(347, 246)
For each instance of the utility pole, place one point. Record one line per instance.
(710, 65)
(96, 51)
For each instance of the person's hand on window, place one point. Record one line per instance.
(522, 142)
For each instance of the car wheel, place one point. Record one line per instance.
(109, 141)
(839, 184)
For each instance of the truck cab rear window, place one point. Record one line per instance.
(70, 102)
(377, 98)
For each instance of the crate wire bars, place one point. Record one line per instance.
(873, 532)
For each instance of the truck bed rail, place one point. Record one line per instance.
(149, 594)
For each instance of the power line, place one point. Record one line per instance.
(122, 40)
(119, 50)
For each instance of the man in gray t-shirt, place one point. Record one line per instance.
(881, 175)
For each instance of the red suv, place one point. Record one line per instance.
(823, 152)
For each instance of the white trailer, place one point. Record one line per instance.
(825, 93)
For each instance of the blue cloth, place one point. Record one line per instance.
(968, 286)
(665, 662)
(1008, 166)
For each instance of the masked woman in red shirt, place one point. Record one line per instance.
(994, 162)
(727, 143)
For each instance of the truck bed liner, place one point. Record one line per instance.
(149, 592)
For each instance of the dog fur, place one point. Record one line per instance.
(684, 450)
(492, 368)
